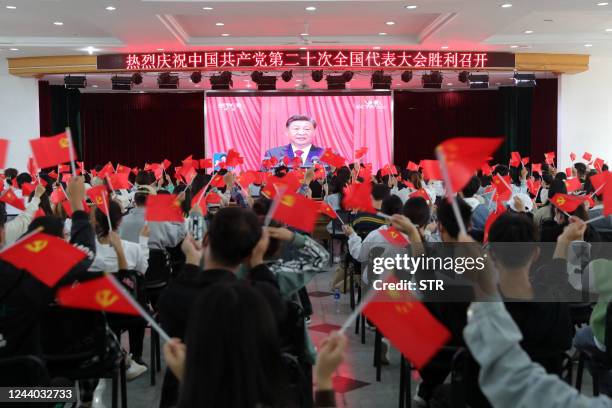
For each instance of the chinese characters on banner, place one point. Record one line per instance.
(333, 59)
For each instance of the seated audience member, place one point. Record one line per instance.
(602, 226)
(234, 237)
(365, 222)
(241, 364)
(581, 171)
(111, 250)
(19, 224)
(545, 213)
(480, 212)
(25, 298)
(133, 222)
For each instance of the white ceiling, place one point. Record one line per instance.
(146, 25)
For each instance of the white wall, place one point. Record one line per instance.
(585, 113)
(19, 121)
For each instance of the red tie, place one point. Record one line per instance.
(299, 153)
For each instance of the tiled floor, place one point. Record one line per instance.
(355, 384)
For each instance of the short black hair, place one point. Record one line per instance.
(417, 210)
(517, 228)
(23, 178)
(380, 191)
(501, 169)
(446, 216)
(557, 186)
(10, 173)
(233, 234)
(3, 215)
(49, 224)
(560, 176)
(141, 199)
(471, 187)
(392, 204)
(304, 118)
(581, 169)
(114, 212)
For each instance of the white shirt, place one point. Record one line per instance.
(136, 255)
(304, 150)
(10, 210)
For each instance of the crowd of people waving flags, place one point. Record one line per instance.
(215, 259)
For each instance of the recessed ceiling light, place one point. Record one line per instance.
(444, 47)
(514, 46)
(11, 7)
(111, 8)
(603, 3)
(230, 49)
(449, 84)
(207, 8)
(311, 8)
(14, 49)
(376, 48)
(58, 23)
(305, 34)
(412, 7)
(219, 24)
(225, 35)
(390, 23)
(303, 48)
(528, 31)
(506, 5)
(588, 45)
(160, 49)
(498, 83)
(90, 50)
(94, 86)
(298, 80)
(382, 33)
(609, 30)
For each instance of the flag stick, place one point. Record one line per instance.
(109, 183)
(449, 191)
(110, 226)
(71, 151)
(275, 203)
(597, 191)
(341, 222)
(139, 308)
(204, 191)
(600, 217)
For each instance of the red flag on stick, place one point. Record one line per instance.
(587, 156)
(394, 237)
(96, 294)
(565, 202)
(3, 151)
(464, 155)
(573, 156)
(431, 170)
(164, 207)
(51, 151)
(46, 257)
(412, 166)
(573, 184)
(297, 211)
(358, 196)
(407, 324)
(10, 198)
(332, 159)
(359, 153)
(536, 167)
(607, 194)
(326, 209)
(99, 196)
(119, 181)
(549, 158)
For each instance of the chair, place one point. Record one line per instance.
(584, 358)
(23, 371)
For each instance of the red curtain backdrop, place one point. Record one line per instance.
(424, 119)
(133, 128)
(544, 118)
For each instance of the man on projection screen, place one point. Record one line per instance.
(301, 130)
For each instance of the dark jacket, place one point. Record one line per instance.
(176, 301)
(23, 298)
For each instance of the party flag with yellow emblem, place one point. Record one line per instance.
(394, 237)
(463, 156)
(96, 294)
(406, 323)
(164, 207)
(51, 151)
(566, 202)
(9, 197)
(297, 211)
(46, 257)
(99, 196)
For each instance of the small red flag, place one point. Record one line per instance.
(10, 198)
(598, 180)
(407, 324)
(246, 179)
(123, 169)
(464, 155)
(206, 163)
(233, 158)
(63, 168)
(421, 193)
(358, 196)
(534, 186)
(499, 210)
(598, 164)
(607, 194)
(27, 189)
(46, 257)
(58, 195)
(3, 152)
(332, 159)
(412, 166)
(431, 170)
(217, 181)
(107, 170)
(166, 163)
(573, 156)
(549, 158)
(359, 153)
(566, 202)
(408, 184)
(503, 191)
(164, 207)
(32, 167)
(573, 184)
(587, 156)
(525, 161)
(515, 159)
(326, 209)
(568, 172)
(297, 211)
(536, 167)
(486, 169)
(51, 151)
(99, 196)
(96, 294)
(119, 181)
(394, 237)
(290, 182)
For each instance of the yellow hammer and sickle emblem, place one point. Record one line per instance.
(289, 201)
(403, 308)
(106, 297)
(99, 200)
(560, 201)
(393, 234)
(37, 246)
(394, 294)
(63, 142)
(176, 204)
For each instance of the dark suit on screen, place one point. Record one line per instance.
(286, 151)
